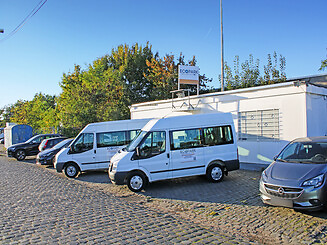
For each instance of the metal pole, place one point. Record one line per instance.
(222, 45)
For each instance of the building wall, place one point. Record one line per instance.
(287, 100)
(316, 104)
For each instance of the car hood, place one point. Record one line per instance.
(18, 145)
(47, 151)
(294, 172)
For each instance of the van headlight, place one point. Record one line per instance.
(316, 181)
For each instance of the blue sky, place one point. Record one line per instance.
(68, 32)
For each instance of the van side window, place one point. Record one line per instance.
(111, 139)
(154, 144)
(183, 139)
(83, 143)
(218, 135)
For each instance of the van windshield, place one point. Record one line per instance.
(136, 141)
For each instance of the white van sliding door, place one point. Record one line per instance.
(109, 143)
(153, 156)
(83, 152)
(187, 153)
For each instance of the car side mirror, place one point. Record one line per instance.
(275, 158)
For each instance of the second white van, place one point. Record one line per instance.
(174, 147)
(95, 145)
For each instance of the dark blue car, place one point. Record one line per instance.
(47, 156)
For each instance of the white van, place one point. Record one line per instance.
(95, 145)
(174, 147)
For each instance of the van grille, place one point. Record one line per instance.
(283, 191)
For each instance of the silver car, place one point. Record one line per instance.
(297, 177)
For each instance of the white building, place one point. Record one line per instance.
(266, 118)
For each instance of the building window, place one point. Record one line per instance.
(258, 125)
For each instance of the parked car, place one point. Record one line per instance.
(49, 143)
(28, 148)
(297, 177)
(47, 156)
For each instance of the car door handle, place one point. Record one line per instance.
(167, 155)
(95, 151)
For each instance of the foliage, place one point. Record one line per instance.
(248, 73)
(323, 65)
(40, 113)
(105, 90)
(163, 72)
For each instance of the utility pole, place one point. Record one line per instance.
(222, 45)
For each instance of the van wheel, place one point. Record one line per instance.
(136, 181)
(71, 170)
(20, 155)
(215, 173)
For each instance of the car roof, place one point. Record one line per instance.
(317, 139)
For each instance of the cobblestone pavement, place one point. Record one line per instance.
(39, 206)
(231, 207)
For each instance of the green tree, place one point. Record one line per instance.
(163, 72)
(247, 74)
(323, 65)
(39, 113)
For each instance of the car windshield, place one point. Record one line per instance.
(31, 139)
(136, 141)
(62, 143)
(304, 152)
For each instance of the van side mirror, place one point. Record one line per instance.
(70, 150)
(137, 150)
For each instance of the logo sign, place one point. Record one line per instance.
(281, 190)
(188, 74)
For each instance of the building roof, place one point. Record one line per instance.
(316, 80)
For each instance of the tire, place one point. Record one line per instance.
(136, 181)
(20, 155)
(215, 173)
(71, 170)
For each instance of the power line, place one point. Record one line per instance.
(25, 20)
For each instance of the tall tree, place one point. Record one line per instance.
(163, 72)
(323, 65)
(248, 73)
(40, 113)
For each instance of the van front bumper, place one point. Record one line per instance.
(118, 178)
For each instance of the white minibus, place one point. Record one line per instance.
(95, 145)
(173, 147)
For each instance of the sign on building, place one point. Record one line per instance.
(188, 75)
